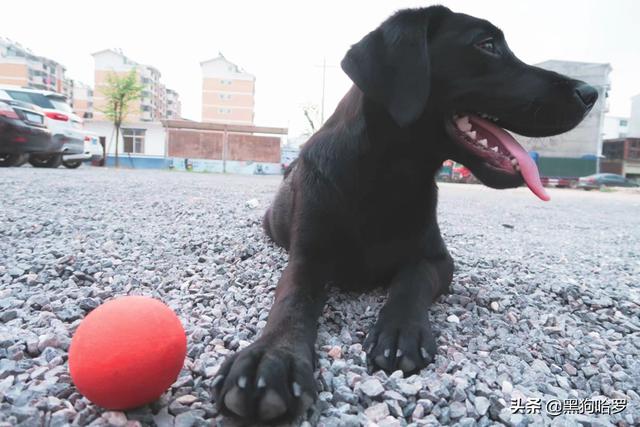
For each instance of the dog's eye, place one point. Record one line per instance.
(487, 45)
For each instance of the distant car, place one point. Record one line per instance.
(92, 152)
(605, 180)
(22, 131)
(65, 126)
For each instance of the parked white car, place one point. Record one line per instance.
(65, 126)
(92, 151)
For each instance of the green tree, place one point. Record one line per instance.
(120, 92)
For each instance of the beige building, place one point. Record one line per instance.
(81, 98)
(228, 92)
(174, 106)
(153, 101)
(20, 67)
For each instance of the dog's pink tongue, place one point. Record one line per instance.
(528, 168)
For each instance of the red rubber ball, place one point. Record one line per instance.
(127, 352)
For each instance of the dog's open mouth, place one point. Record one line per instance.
(496, 148)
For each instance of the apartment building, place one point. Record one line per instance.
(81, 99)
(586, 139)
(21, 67)
(174, 106)
(228, 92)
(152, 105)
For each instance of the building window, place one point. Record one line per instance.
(224, 96)
(224, 110)
(624, 122)
(133, 140)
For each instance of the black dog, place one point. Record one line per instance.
(358, 208)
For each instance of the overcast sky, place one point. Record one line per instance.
(284, 42)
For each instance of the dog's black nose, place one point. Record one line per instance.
(587, 94)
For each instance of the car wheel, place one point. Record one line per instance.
(7, 159)
(71, 164)
(45, 161)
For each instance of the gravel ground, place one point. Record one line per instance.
(545, 300)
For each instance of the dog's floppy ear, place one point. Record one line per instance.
(391, 66)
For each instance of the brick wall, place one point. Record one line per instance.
(199, 144)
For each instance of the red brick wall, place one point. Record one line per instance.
(198, 144)
(253, 147)
(610, 167)
(195, 144)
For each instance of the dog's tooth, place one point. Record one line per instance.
(483, 142)
(494, 149)
(514, 162)
(463, 124)
(471, 134)
(517, 167)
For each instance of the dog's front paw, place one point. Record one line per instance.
(398, 341)
(266, 382)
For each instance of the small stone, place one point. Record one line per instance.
(418, 413)
(186, 419)
(377, 412)
(394, 395)
(457, 410)
(389, 422)
(115, 418)
(540, 366)
(481, 404)
(372, 387)
(335, 352)
(409, 389)
(495, 306)
(453, 319)
(163, 418)
(8, 316)
(570, 369)
(589, 371)
(507, 387)
(252, 203)
(187, 399)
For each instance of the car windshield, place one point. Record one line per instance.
(60, 104)
(32, 98)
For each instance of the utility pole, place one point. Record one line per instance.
(324, 85)
(324, 75)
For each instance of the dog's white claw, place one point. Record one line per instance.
(387, 353)
(472, 134)
(261, 382)
(483, 142)
(399, 353)
(494, 149)
(296, 389)
(242, 382)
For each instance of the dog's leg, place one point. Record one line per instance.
(402, 336)
(272, 378)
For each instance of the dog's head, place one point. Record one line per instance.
(430, 63)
